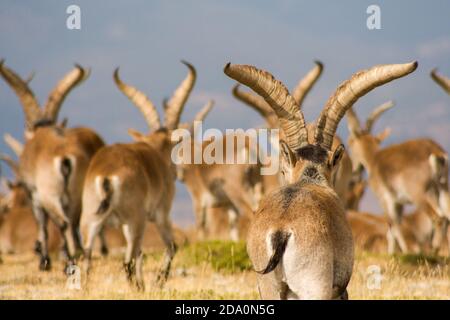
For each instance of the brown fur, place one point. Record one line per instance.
(233, 187)
(400, 174)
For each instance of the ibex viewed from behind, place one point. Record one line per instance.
(342, 176)
(412, 172)
(136, 182)
(300, 231)
(54, 160)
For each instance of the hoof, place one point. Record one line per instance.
(45, 264)
(70, 268)
(104, 251)
(37, 247)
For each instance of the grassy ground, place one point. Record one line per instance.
(218, 270)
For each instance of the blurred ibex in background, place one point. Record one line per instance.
(54, 160)
(233, 190)
(412, 172)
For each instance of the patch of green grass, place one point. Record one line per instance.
(225, 256)
(420, 259)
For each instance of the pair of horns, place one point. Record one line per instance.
(355, 125)
(173, 107)
(288, 111)
(33, 112)
(300, 91)
(443, 81)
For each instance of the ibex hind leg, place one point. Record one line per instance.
(133, 255)
(270, 288)
(103, 244)
(395, 213)
(42, 242)
(165, 230)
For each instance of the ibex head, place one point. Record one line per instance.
(35, 116)
(301, 159)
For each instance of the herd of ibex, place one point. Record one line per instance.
(301, 224)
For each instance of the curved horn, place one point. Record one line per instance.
(353, 122)
(176, 103)
(201, 115)
(14, 144)
(258, 104)
(304, 85)
(376, 113)
(277, 96)
(26, 96)
(350, 91)
(444, 82)
(62, 89)
(140, 100)
(11, 163)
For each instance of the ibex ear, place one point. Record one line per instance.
(337, 155)
(384, 134)
(136, 135)
(287, 154)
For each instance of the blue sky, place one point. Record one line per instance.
(147, 39)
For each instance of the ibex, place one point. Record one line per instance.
(299, 240)
(357, 183)
(54, 160)
(343, 174)
(18, 232)
(412, 172)
(235, 188)
(136, 182)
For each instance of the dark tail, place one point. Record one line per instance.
(279, 242)
(108, 191)
(65, 169)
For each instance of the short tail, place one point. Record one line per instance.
(279, 241)
(104, 188)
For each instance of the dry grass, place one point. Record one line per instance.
(198, 274)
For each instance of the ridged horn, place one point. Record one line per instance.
(15, 145)
(376, 113)
(176, 103)
(27, 99)
(277, 96)
(140, 100)
(304, 85)
(11, 163)
(256, 102)
(350, 91)
(441, 80)
(62, 89)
